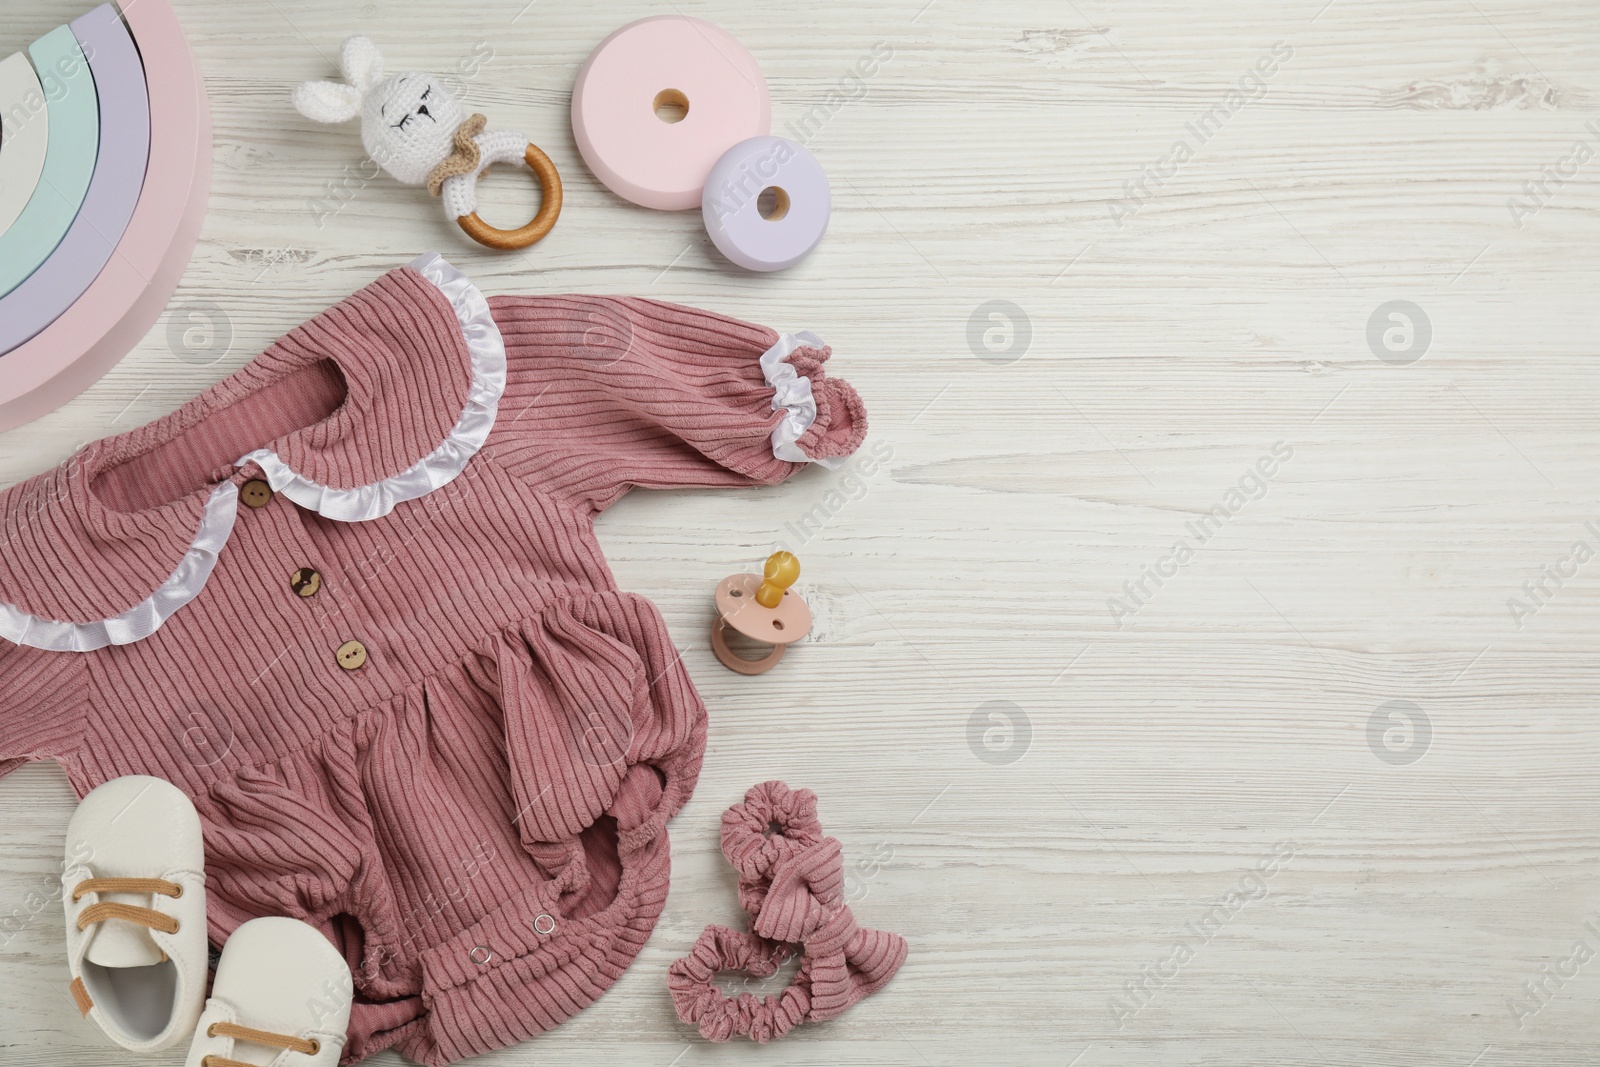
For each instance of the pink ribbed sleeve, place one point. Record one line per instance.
(606, 393)
(42, 703)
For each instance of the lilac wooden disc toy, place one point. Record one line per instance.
(779, 229)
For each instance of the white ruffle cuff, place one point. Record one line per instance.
(791, 392)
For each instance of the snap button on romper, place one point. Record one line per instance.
(400, 683)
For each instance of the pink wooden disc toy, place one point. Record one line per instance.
(764, 609)
(659, 101)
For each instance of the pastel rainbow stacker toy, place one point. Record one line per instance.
(659, 101)
(772, 233)
(418, 132)
(763, 608)
(107, 225)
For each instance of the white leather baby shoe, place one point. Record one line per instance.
(281, 997)
(134, 886)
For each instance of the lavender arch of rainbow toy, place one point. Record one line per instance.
(141, 262)
(69, 160)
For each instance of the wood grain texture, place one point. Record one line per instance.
(1239, 714)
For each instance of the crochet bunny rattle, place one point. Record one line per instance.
(416, 130)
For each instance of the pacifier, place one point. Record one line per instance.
(763, 608)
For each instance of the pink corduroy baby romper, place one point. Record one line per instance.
(350, 600)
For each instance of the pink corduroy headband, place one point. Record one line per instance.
(791, 881)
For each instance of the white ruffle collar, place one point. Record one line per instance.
(487, 354)
(443, 464)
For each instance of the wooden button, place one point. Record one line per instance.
(305, 582)
(352, 655)
(256, 493)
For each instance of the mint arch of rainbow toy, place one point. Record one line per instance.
(114, 187)
(24, 135)
(74, 117)
(130, 290)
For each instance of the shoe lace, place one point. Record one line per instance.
(306, 1046)
(149, 918)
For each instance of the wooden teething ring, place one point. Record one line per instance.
(525, 235)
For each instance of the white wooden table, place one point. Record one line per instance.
(1057, 767)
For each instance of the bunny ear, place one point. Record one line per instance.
(360, 62)
(327, 101)
(362, 66)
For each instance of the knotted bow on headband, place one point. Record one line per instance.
(791, 881)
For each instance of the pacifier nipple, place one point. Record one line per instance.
(782, 571)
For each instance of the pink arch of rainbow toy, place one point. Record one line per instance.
(127, 296)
